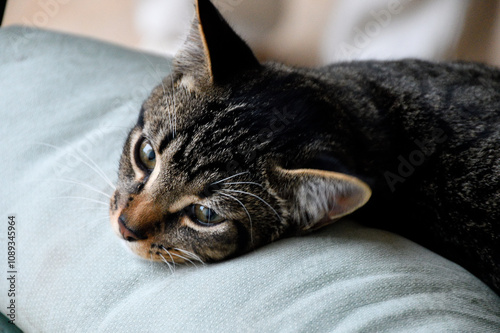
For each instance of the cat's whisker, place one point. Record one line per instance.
(172, 116)
(184, 258)
(98, 168)
(72, 181)
(158, 76)
(172, 129)
(95, 222)
(95, 169)
(169, 115)
(83, 198)
(170, 122)
(99, 219)
(85, 227)
(115, 126)
(166, 262)
(174, 123)
(190, 255)
(76, 228)
(233, 176)
(97, 211)
(246, 210)
(257, 197)
(240, 183)
(94, 209)
(170, 255)
(102, 214)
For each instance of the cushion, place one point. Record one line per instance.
(67, 103)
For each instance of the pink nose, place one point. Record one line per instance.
(127, 234)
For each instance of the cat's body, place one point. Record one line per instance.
(229, 154)
(426, 138)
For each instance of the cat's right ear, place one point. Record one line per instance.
(316, 198)
(213, 52)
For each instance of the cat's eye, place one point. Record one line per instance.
(147, 155)
(205, 215)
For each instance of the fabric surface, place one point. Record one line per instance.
(66, 105)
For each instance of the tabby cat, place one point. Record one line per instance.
(229, 154)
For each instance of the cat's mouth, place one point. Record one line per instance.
(145, 247)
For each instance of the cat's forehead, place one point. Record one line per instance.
(174, 109)
(195, 138)
(224, 129)
(181, 99)
(175, 104)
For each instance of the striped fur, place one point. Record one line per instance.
(279, 151)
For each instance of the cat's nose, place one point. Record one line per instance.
(126, 233)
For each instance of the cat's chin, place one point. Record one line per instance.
(139, 251)
(143, 249)
(126, 245)
(134, 249)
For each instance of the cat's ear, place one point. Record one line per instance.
(213, 50)
(316, 198)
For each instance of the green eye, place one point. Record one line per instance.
(147, 155)
(205, 215)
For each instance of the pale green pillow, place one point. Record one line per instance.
(66, 104)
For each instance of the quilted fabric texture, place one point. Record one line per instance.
(66, 105)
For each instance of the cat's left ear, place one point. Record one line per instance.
(316, 198)
(213, 50)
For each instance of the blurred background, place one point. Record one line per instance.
(298, 32)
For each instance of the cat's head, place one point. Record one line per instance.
(217, 162)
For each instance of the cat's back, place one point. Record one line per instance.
(458, 72)
(447, 82)
(443, 124)
(411, 96)
(448, 111)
